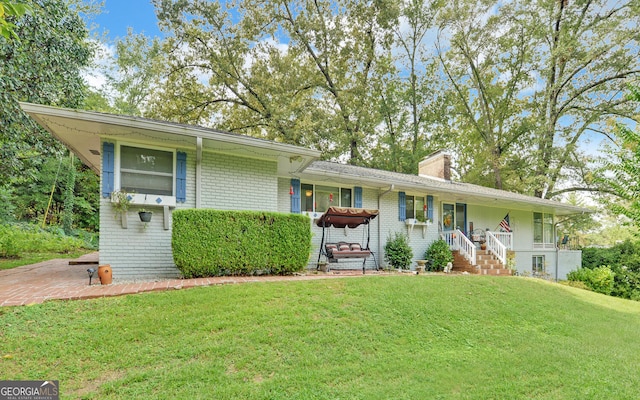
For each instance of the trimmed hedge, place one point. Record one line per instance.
(209, 242)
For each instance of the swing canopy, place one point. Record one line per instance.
(340, 217)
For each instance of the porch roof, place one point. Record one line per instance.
(82, 132)
(335, 173)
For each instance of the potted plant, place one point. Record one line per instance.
(145, 216)
(121, 201)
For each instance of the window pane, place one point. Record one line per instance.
(345, 198)
(135, 158)
(537, 227)
(307, 197)
(326, 196)
(410, 213)
(420, 213)
(548, 228)
(448, 211)
(146, 184)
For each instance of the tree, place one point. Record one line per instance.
(293, 71)
(410, 104)
(625, 170)
(486, 63)
(45, 68)
(530, 81)
(11, 9)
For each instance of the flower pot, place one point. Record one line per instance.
(104, 273)
(145, 216)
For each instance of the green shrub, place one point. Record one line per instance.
(439, 255)
(599, 279)
(18, 239)
(214, 242)
(397, 251)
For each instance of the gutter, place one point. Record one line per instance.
(379, 225)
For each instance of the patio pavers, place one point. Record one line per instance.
(57, 280)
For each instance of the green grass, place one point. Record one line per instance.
(33, 258)
(378, 337)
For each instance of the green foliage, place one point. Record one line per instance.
(9, 9)
(624, 261)
(439, 254)
(599, 279)
(397, 251)
(213, 242)
(18, 239)
(625, 166)
(625, 254)
(120, 201)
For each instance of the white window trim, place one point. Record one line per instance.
(316, 214)
(143, 198)
(547, 243)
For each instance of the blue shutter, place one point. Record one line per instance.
(181, 177)
(295, 197)
(357, 197)
(108, 159)
(430, 208)
(402, 206)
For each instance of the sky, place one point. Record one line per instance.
(118, 15)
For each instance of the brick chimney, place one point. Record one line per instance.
(436, 165)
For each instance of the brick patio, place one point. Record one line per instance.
(57, 280)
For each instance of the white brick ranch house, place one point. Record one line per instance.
(168, 166)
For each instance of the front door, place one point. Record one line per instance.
(461, 218)
(454, 216)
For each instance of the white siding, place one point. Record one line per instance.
(235, 183)
(227, 183)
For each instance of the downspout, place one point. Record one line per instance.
(380, 225)
(198, 172)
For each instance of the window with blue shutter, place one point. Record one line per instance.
(295, 196)
(357, 197)
(108, 168)
(181, 177)
(430, 208)
(402, 206)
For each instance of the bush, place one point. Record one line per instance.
(397, 251)
(18, 239)
(599, 279)
(214, 243)
(439, 255)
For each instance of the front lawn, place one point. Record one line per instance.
(376, 337)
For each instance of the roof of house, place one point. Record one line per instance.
(82, 132)
(331, 172)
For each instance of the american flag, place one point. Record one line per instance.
(504, 224)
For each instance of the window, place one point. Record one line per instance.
(415, 208)
(537, 265)
(146, 171)
(543, 230)
(316, 198)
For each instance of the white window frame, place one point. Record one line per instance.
(547, 243)
(314, 212)
(415, 211)
(534, 262)
(144, 198)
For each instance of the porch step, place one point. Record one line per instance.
(486, 264)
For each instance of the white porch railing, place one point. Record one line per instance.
(496, 246)
(506, 238)
(458, 241)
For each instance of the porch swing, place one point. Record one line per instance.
(341, 217)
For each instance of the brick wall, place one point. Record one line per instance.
(140, 252)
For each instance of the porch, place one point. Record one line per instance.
(470, 257)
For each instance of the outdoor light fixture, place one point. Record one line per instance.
(91, 271)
